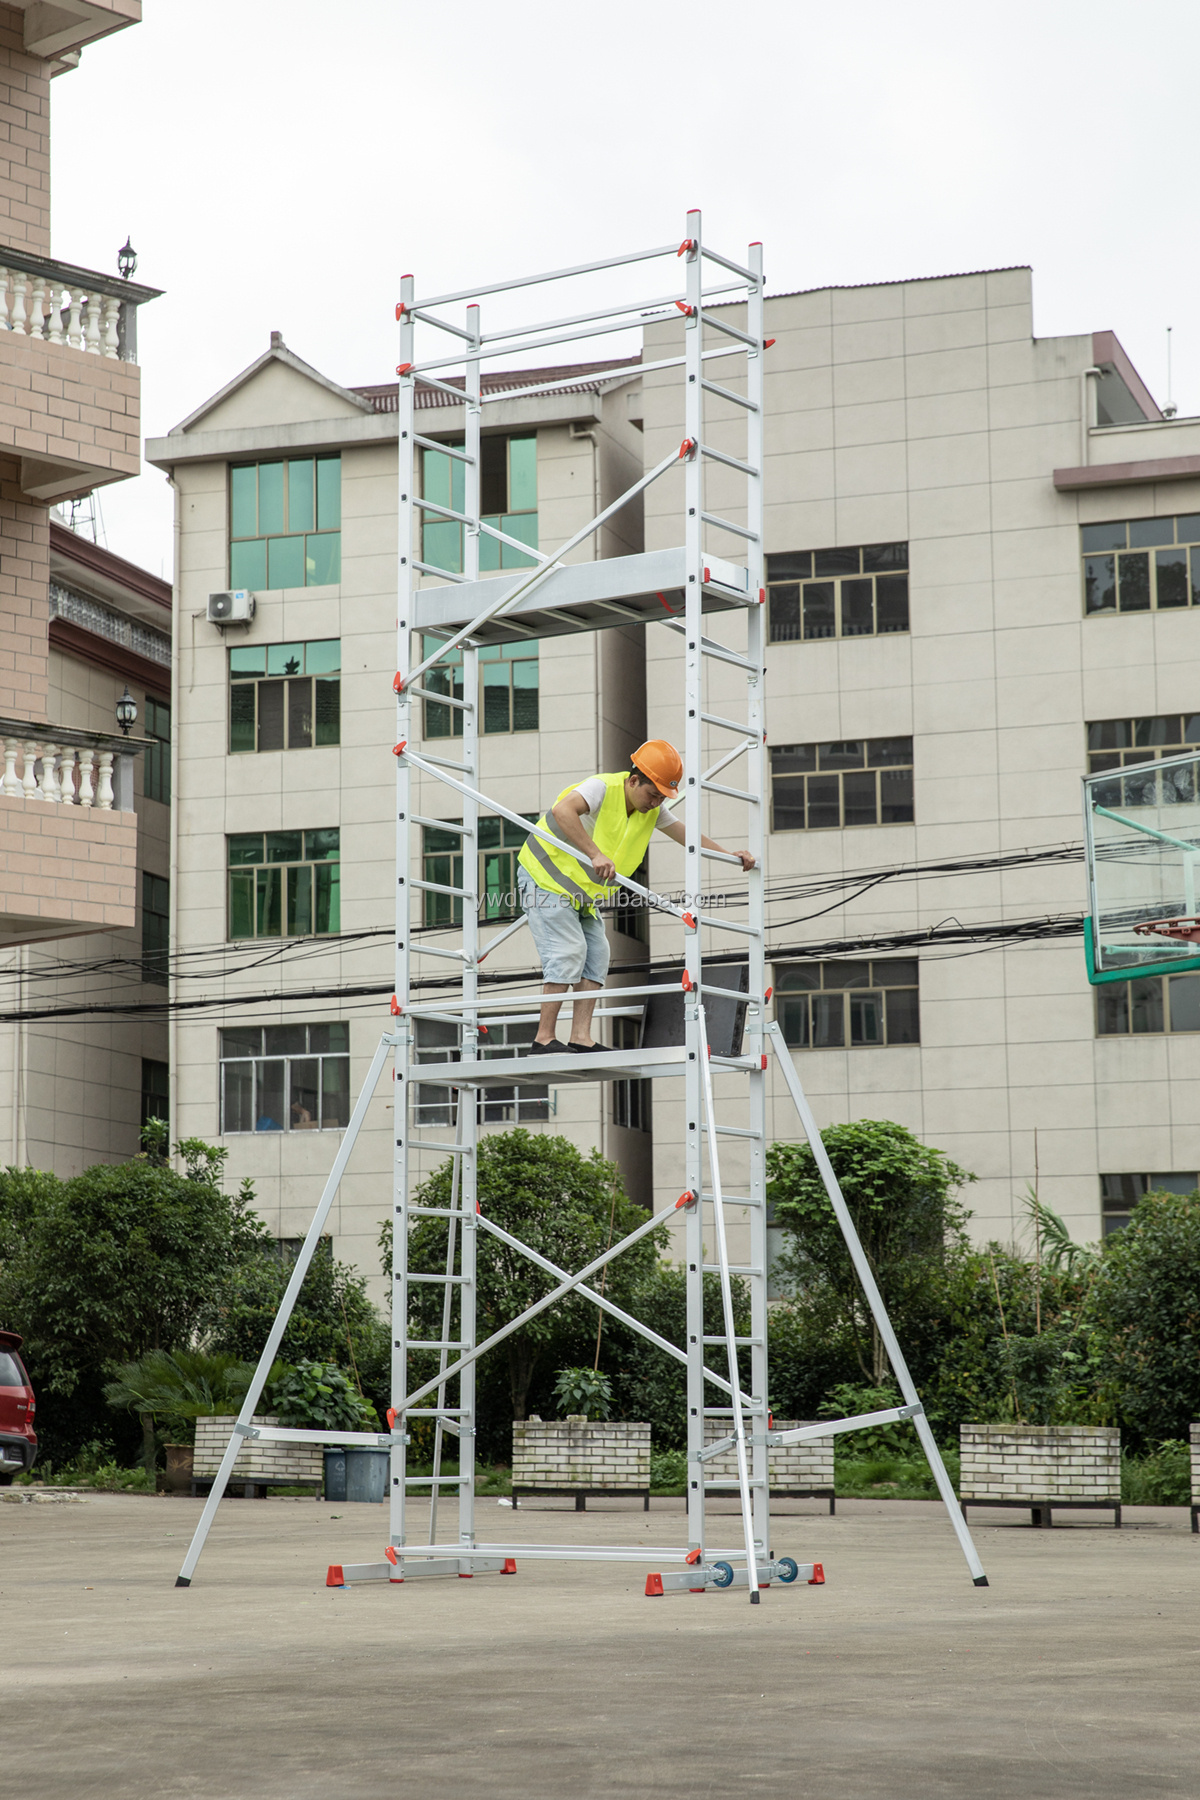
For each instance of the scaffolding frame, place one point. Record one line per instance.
(463, 612)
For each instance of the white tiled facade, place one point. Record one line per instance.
(922, 412)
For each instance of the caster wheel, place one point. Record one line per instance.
(722, 1574)
(787, 1568)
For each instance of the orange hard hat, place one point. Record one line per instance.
(662, 763)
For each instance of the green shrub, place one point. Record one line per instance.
(320, 1397)
(584, 1391)
(1163, 1477)
(668, 1472)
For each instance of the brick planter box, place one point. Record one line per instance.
(801, 1471)
(1195, 1437)
(1040, 1467)
(575, 1456)
(259, 1465)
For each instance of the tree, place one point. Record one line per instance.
(565, 1205)
(901, 1196)
(115, 1262)
(1144, 1312)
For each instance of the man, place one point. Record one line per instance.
(611, 818)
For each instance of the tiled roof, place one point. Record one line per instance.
(384, 396)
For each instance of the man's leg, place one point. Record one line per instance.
(548, 1017)
(581, 1013)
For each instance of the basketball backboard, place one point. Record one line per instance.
(1142, 833)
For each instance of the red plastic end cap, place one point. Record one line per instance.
(482, 1030)
(390, 1553)
(707, 577)
(403, 368)
(693, 1557)
(762, 595)
(817, 1578)
(767, 342)
(398, 684)
(763, 1060)
(768, 993)
(335, 1578)
(400, 748)
(509, 1566)
(467, 1577)
(396, 1009)
(653, 1585)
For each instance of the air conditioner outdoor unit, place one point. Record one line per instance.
(234, 607)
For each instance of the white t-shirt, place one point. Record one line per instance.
(592, 791)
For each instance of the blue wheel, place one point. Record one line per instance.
(722, 1574)
(787, 1568)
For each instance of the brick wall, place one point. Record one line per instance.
(795, 1466)
(257, 1461)
(24, 140)
(1040, 1462)
(24, 606)
(66, 404)
(573, 1453)
(67, 865)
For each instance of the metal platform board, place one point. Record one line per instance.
(620, 590)
(606, 1065)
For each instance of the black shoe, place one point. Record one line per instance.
(553, 1048)
(591, 1049)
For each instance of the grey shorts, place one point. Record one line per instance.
(572, 944)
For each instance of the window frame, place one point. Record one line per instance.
(531, 1103)
(284, 866)
(240, 681)
(1155, 999)
(447, 487)
(447, 678)
(792, 576)
(1153, 543)
(445, 911)
(1115, 1208)
(793, 1000)
(156, 938)
(831, 760)
(156, 758)
(324, 506)
(285, 1059)
(632, 1101)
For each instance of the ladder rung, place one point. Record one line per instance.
(709, 1340)
(750, 931)
(442, 574)
(443, 449)
(446, 1149)
(409, 1276)
(733, 1486)
(731, 462)
(441, 1480)
(441, 1344)
(444, 762)
(443, 825)
(433, 1212)
(441, 887)
(721, 524)
(714, 387)
(443, 699)
(715, 1269)
(716, 787)
(436, 1412)
(732, 1131)
(708, 648)
(711, 719)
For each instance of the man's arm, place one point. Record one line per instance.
(676, 831)
(568, 814)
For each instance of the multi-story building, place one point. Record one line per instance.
(979, 582)
(72, 856)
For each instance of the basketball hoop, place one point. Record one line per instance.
(1187, 931)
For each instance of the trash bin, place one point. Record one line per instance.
(367, 1474)
(335, 1472)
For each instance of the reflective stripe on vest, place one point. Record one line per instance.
(621, 835)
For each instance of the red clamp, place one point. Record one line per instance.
(400, 748)
(687, 244)
(401, 309)
(390, 1416)
(688, 983)
(767, 342)
(403, 368)
(482, 1030)
(686, 308)
(396, 1008)
(685, 1199)
(768, 993)
(390, 1553)
(398, 683)
(688, 920)
(693, 1557)
(687, 449)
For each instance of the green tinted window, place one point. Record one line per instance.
(284, 523)
(284, 696)
(302, 499)
(283, 883)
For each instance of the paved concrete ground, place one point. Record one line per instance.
(1073, 1674)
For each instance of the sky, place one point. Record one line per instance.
(279, 164)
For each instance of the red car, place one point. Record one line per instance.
(18, 1441)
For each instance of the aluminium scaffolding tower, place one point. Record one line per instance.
(460, 613)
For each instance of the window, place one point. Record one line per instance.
(1139, 564)
(438, 1042)
(860, 592)
(285, 1078)
(285, 523)
(284, 883)
(285, 696)
(508, 689)
(1134, 743)
(832, 1005)
(1119, 1194)
(630, 913)
(631, 1104)
(442, 858)
(156, 928)
(507, 500)
(156, 1090)
(861, 781)
(156, 761)
(1148, 1004)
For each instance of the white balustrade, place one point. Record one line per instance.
(44, 306)
(58, 774)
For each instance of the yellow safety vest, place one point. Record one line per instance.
(619, 834)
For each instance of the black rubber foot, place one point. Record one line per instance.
(182, 1581)
(755, 1598)
(981, 1581)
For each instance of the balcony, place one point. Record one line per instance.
(70, 388)
(68, 832)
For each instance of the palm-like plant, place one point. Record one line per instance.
(177, 1385)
